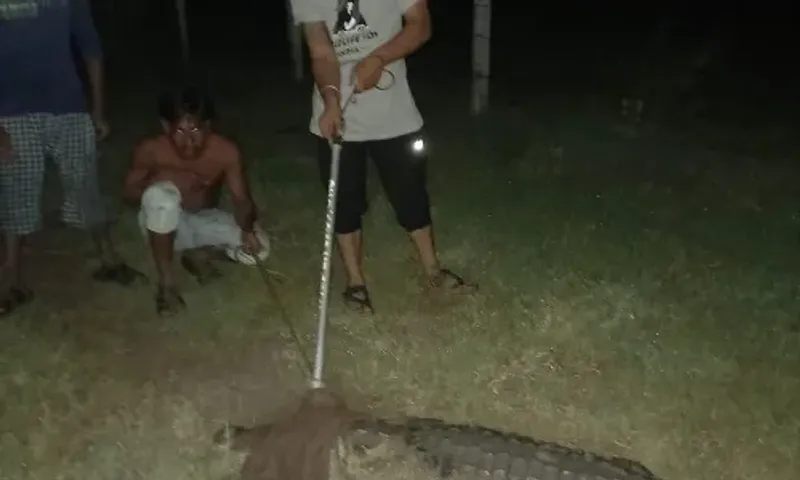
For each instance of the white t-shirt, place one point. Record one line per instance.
(357, 28)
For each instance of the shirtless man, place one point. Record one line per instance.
(175, 178)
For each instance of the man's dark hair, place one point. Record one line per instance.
(188, 101)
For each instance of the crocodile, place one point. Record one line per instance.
(469, 451)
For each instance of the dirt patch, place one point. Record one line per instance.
(298, 445)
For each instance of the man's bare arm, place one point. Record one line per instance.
(94, 68)
(416, 31)
(324, 64)
(88, 40)
(244, 210)
(139, 172)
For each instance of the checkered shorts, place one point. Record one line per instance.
(69, 139)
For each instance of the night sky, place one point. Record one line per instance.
(537, 46)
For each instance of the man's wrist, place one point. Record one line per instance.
(330, 95)
(98, 113)
(332, 102)
(380, 57)
(248, 223)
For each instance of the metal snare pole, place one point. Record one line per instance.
(327, 252)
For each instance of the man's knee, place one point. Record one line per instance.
(351, 205)
(350, 210)
(21, 187)
(161, 207)
(401, 163)
(409, 198)
(347, 224)
(411, 203)
(414, 213)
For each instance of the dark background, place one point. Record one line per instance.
(540, 49)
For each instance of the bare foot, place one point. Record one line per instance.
(200, 266)
(169, 301)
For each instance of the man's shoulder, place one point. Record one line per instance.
(146, 142)
(225, 148)
(148, 145)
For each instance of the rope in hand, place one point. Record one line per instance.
(302, 348)
(351, 99)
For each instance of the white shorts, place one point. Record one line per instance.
(161, 212)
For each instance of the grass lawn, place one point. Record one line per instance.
(639, 298)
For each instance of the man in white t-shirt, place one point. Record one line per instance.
(361, 46)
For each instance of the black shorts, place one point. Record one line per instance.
(402, 172)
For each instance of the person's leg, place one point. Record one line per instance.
(351, 204)
(161, 218)
(20, 203)
(71, 138)
(212, 229)
(402, 167)
(162, 246)
(199, 264)
(216, 230)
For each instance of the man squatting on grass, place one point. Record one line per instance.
(355, 44)
(43, 111)
(175, 177)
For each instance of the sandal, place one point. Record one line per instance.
(119, 273)
(169, 301)
(448, 281)
(14, 298)
(204, 272)
(357, 298)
